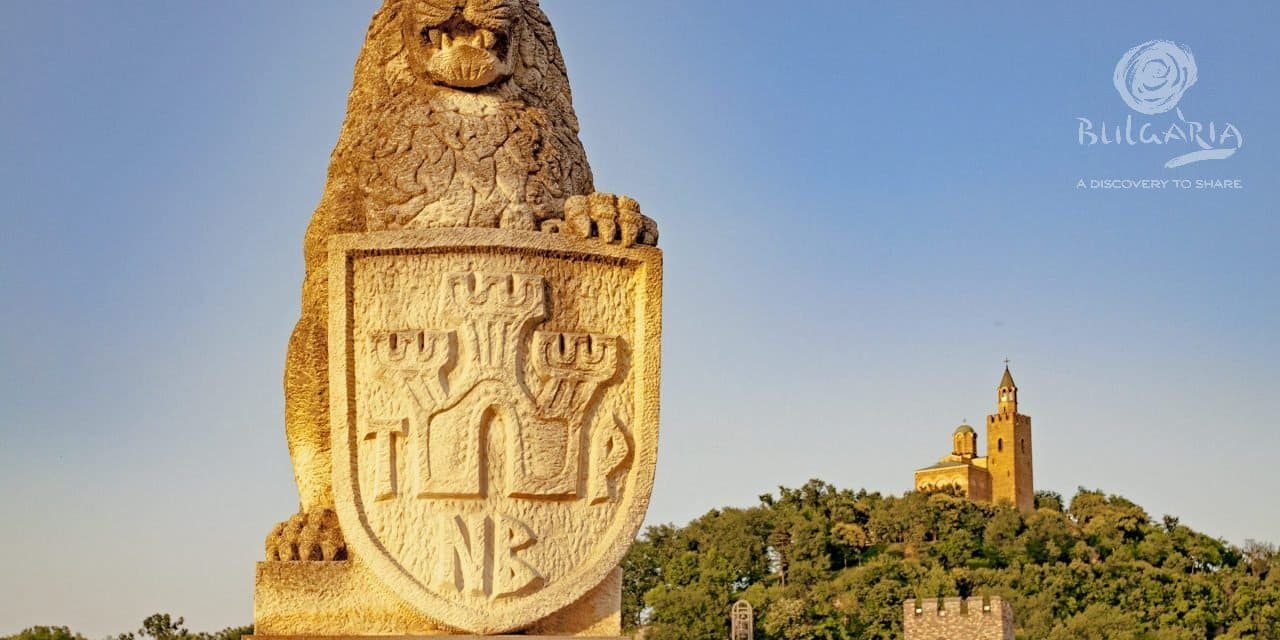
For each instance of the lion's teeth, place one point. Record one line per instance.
(488, 39)
(446, 40)
(435, 35)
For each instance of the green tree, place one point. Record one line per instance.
(818, 562)
(1051, 500)
(162, 626)
(45, 633)
(1098, 622)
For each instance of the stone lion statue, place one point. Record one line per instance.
(460, 115)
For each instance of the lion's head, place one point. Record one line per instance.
(484, 75)
(465, 45)
(500, 48)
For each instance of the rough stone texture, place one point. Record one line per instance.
(485, 331)
(343, 599)
(494, 430)
(411, 637)
(742, 621)
(495, 411)
(957, 619)
(1005, 473)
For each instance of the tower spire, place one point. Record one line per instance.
(1006, 382)
(1007, 392)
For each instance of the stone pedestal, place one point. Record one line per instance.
(261, 637)
(320, 600)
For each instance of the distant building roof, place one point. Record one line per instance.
(1007, 380)
(943, 465)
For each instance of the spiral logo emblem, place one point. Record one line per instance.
(1152, 76)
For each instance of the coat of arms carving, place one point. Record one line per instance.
(494, 405)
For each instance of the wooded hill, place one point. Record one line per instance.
(819, 562)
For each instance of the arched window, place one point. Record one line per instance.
(1000, 444)
(1022, 444)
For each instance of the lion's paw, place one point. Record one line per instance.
(311, 535)
(607, 217)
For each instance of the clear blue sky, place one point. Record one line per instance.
(863, 208)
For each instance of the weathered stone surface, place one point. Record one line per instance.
(343, 599)
(471, 390)
(410, 637)
(742, 621)
(946, 618)
(495, 408)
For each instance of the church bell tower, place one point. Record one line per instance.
(1009, 449)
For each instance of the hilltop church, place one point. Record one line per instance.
(1004, 474)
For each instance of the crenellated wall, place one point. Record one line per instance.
(976, 618)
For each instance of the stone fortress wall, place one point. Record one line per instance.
(975, 618)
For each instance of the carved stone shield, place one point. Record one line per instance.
(494, 408)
